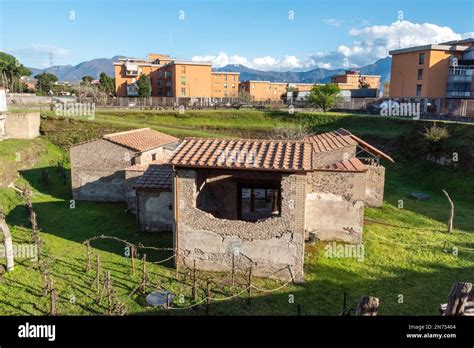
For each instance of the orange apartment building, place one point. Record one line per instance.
(433, 71)
(172, 78)
(263, 90)
(225, 84)
(183, 79)
(300, 87)
(128, 70)
(352, 79)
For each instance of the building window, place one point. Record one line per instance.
(183, 80)
(153, 157)
(418, 90)
(421, 59)
(233, 85)
(183, 91)
(183, 70)
(233, 78)
(225, 85)
(420, 74)
(225, 77)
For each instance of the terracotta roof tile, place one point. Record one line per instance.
(351, 165)
(273, 155)
(330, 141)
(141, 139)
(157, 176)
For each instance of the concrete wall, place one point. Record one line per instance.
(271, 244)
(335, 205)
(375, 184)
(155, 210)
(24, 125)
(98, 170)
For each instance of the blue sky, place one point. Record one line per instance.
(259, 34)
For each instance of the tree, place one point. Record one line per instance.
(11, 70)
(86, 80)
(324, 96)
(144, 86)
(107, 84)
(45, 82)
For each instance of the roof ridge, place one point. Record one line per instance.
(106, 136)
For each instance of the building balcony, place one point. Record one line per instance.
(459, 78)
(457, 94)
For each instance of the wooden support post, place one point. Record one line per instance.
(208, 296)
(97, 273)
(143, 283)
(275, 202)
(53, 297)
(458, 298)
(249, 300)
(267, 200)
(367, 306)
(252, 200)
(133, 254)
(451, 215)
(193, 294)
(89, 253)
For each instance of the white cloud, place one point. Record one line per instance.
(38, 55)
(261, 63)
(368, 45)
(374, 42)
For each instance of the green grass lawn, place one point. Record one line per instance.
(405, 256)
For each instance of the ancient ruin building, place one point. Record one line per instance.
(254, 202)
(106, 169)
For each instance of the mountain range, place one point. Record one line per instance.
(94, 67)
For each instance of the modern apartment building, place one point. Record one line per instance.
(433, 71)
(128, 70)
(353, 79)
(300, 87)
(225, 84)
(173, 78)
(184, 79)
(263, 90)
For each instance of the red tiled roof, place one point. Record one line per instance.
(351, 165)
(272, 155)
(157, 176)
(141, 139)
(330, 141)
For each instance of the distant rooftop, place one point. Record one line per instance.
(141, 139)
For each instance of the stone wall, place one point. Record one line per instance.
(335, 205)
(155, 210)
(274, 246)
(22, 125)
(131, 177)
(323, 159)
(98, 171)
(375, 184)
